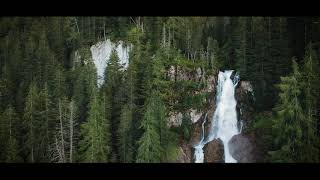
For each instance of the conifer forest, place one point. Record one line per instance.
(159, 89)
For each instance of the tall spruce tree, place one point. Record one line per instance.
(30, 120)
(290, 120)
(311, 89)
(113, 88)
(149, 144)
(125, 135)
(9, 134)
(94, 145)
(95, 141)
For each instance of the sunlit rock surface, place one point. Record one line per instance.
(101, 52)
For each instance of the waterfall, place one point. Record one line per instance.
(224, 123)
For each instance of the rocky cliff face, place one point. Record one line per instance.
(184, 154)
(246, 147)
(197, 118)
(245, 100)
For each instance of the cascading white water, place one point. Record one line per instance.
(224, 119)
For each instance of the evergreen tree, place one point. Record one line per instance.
(218, 60)
(113, 88)
(290, 120)
(94, 145)
(149, 144)
(47, 118)
(95, 141)
(311, 93)
(139, 73)
(9, 133)
(125, 136)
(160, 85)
(241, 51)
(12, 155)
(30, 118)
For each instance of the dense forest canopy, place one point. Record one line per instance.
(51, 109)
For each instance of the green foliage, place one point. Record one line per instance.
(149, 144)
(217, 56)
(31, 116)
(186, 126)
(9, 133)
(94, 144)
(157, 143)
(12, 155)
(311, 89)
(290, 119)
(125, 136)
(113, 88)
(241, 51)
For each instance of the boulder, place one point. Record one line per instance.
(175, 119)
(214, 152)
(244, 148)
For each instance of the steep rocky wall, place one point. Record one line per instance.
(197, 118)
(245, 101)
(101, 52)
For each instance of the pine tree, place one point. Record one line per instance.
(9, 133)
(139, 73)
(47, 122)
(57, 86)
(30, 118)
(218, 60)
(311, 93)
(125, 136)
(150, 149)
(241, 51)
(95, 143)
(81, 86)
(160, 116)
(12, 155)
(160, 85)
(290, 120)
(113, 89)
(57, 91)
(38, 119)
(250, 54)
(130, 86)
(149, 144)
(11, 58)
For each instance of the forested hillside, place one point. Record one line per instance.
(53, 110)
